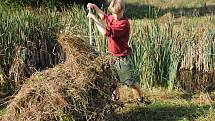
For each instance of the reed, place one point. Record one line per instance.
(27, 42)
(160, 49)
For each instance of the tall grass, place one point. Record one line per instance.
(27, 41)
(59, 4)
(168, 48)
(155, 53)
(160, 50)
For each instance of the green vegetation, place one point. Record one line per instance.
(166, 106)
(160, 46)
(157, 8)
(166, 37)
(59, 4)
(25, 35)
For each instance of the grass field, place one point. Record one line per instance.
(179, 8)
(166, 106)
(173, 3)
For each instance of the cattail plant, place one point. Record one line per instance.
(27, 41)
(160, 49)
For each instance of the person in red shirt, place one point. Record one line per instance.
(117, 28)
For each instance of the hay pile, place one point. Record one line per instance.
(78, 89)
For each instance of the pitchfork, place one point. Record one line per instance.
(90, 28)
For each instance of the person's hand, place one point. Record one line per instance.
(91, 15)
(91, 5)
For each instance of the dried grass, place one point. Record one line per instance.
(78, 89)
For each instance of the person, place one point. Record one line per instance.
(117, 29)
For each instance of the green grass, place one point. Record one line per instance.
(2, 111)
(173, 3)
(157, 8)
(165, 111)
(166, 106)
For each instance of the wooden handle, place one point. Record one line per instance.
(90, 28)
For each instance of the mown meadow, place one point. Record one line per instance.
(173, 46)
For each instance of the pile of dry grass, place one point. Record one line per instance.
(78, 89)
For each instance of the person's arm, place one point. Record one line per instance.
(99, 25)
(110, 30)
(98, 10)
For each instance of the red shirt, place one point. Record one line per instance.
(117, 32)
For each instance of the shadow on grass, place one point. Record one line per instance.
(162, 113)
(139, 11)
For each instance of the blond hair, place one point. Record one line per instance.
(117, 6)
